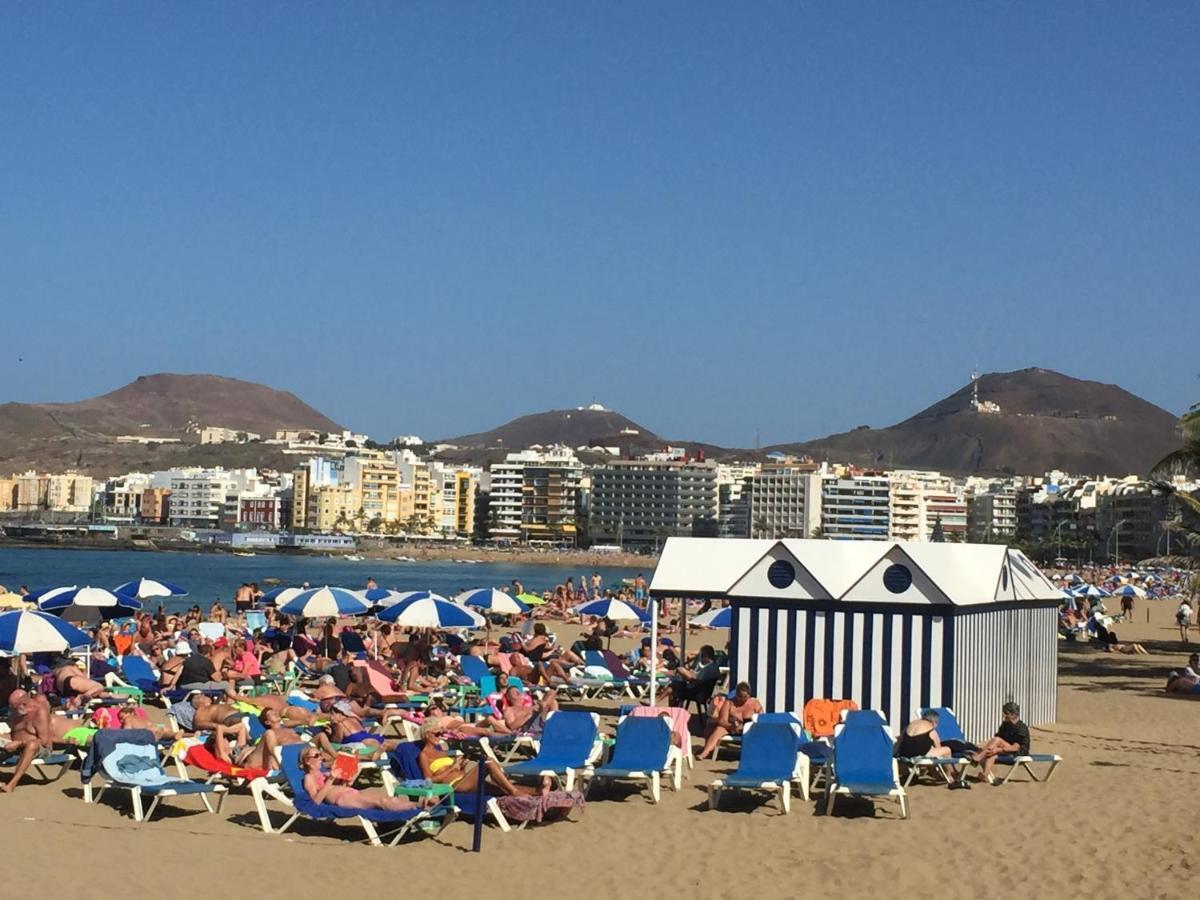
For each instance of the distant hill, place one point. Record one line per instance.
(82, 433)
(1046, 421)
(570, 427)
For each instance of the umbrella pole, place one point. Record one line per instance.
(653, 647)
(683, 629)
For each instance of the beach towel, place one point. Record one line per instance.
(202, 758)
(548, 807)
(128, 757)
(822, 716)
(679, 720)
(185, 714)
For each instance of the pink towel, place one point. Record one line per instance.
(679, 719)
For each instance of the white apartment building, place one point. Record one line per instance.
(919, 503)
(992, 514)
(784, 499)
(643, 502)
(207, 498)
(855, 507)
(534, 495)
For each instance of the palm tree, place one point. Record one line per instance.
(1184, 461)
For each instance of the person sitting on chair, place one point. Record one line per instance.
(920, 739)
(730, 717)
(691, 682)
(1011, 737)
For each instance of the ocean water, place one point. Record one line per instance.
(215, 576)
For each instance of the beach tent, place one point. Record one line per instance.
(893, 626)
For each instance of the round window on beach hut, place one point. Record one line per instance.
(781, 574)
(897, 578)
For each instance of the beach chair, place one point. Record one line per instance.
(45, 767)
(259, 783)
(127, 759)
(770, 761)
(303, 806)
(404, 767)
(947, 767)
(1026, 761)
(135, 677)
(636, 686)
(570, 743)
(643, 751)
(863, 766)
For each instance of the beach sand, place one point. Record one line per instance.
(1117, 820)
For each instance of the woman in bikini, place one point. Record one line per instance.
(324, 788)
(438, 765)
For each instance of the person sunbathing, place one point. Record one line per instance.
(324, 788)
(920, 739)
(255, 704)
(531, 719)
(129, 718)
(75, 687)
(329, 696)
(438, 765)
(351, 733)
(729, 717)
(220, 718)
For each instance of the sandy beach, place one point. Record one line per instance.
(1116, 821)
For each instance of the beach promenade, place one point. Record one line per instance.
(1116, 821)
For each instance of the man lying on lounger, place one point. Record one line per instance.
(329, 695)
(75, 687)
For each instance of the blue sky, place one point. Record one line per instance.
(784, 223)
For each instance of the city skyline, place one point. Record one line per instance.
(431, 224)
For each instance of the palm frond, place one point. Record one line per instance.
(1178, 462)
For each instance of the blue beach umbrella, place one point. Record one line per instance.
(146, 588)
(493, 601)
(1129, 590)
(281, 595)
(422, 609)
(721, 617)
(378, 596)
(24, 631)
(324, 601)
(100, 599)
(48, 593)
(617, 610)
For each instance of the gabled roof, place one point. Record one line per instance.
(850, 571)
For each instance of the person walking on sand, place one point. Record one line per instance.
(1183, 617)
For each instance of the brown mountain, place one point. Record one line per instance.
(571, 427)
(55, 435)
(1046, 420)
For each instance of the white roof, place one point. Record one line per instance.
(851, 571)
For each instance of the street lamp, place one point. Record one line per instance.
(1116, 533)
(1058, 535)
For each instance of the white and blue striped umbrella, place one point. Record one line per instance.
(90, 598)
(325, 601)
(281, 595)
(145, 588)
(493, 601)
(1090, 590)
(1129, 590)
(24, 631)
(378, 596)
(48, 593)
(422, 609)
(395, 597)
(718, 617)
(617, 610)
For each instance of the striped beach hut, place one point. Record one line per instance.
(892, 626)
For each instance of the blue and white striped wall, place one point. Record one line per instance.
(899, 660)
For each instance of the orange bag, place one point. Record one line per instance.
(122, 643)
(822, 716)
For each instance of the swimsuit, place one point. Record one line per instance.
(334, 795)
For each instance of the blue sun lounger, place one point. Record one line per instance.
(863, 766)
(305, 807)
(947, 729)
(570, 743)
(770, 761)
(47, 767)
(642, 752)
(127, 759)
(404, 765)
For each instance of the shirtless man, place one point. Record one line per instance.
(530, 719)
(730, 717)
(129, 719)
(30, 720)
(220, 718)
(278, 704)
